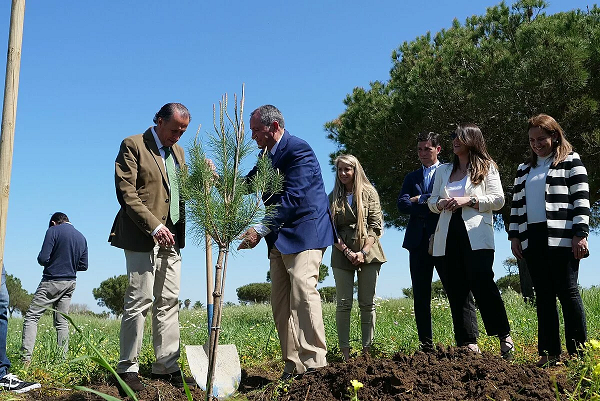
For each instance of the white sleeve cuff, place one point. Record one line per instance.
(262, 230)
(156, 229)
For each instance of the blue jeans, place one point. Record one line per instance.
(4, 362)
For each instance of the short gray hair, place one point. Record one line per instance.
(269, 114)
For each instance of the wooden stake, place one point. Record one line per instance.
(9, 112)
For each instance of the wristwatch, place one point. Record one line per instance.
(363, 252)
(473, 201)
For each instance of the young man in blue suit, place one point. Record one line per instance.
(416, 189)
(297, 236)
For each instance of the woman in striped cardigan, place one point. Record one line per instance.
(549, 227)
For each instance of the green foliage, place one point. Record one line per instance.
(254, 293)
(511, 265)
(111, 293)
(19, 299)
(187, 303)
(327, 294)
(495, 70)
(437, 291)
(198, 305)
(510, 281)
(252, 330)
(224, 204)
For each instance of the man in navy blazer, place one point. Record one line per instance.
(297, 236)
(416, 190)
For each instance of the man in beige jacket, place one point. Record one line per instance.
(150, 228)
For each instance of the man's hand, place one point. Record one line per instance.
(415, 199)
(164, 237)
(212, 167)
(249, 239)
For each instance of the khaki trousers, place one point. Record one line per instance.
(344, 290)
(153, 275)
(296, 307)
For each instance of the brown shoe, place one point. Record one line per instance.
(174, 378)
(132, 380)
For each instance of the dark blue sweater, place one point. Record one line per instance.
(64, 253)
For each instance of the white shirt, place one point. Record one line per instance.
(535, 190)
(456, 188)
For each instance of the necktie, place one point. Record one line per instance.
(173, 183)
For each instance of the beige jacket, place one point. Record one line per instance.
(479, 223)
(143, 193)
(345, 225)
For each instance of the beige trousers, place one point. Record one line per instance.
(154, 280)
(296, 307)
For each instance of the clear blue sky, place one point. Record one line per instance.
(93, 73)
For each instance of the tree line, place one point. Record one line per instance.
(495, 70)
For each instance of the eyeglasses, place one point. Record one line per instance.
(453, 135)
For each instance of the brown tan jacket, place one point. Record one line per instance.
(345, 224)
(143, 192)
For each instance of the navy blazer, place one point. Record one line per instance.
(302, 220)
(422, 221)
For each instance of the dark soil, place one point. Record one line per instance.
(446, 374)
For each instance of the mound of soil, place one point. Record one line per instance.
(445, 374)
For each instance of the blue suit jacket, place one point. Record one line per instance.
(422, 221)
(302, 220)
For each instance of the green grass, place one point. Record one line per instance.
(252, 330)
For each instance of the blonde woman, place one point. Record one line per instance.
(465, 193)
(549, 226)
(358, 220)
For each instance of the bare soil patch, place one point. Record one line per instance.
(446, 374)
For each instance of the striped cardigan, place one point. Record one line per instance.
(567, 203)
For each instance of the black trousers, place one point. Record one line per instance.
(554, 271)
(471, 270)
(421, 274)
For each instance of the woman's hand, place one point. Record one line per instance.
(580, 247)
(515, 247)
(454, 203)
(359, 259)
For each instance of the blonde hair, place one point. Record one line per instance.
(560, 146)
(480, 160)
(360, 184)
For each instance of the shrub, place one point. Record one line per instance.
(511, 281)
(254, 293)
(327, 294)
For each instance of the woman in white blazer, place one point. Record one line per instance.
(465, 193)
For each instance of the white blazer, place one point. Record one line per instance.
(479, 223)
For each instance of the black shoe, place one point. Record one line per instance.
(12, 383)
(285, 376)
(174, 378)
(426, 347)
(132, 380)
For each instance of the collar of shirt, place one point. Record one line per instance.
(428, 170)
(274, 148)
(159, 144)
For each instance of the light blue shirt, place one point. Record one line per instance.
(427, 177)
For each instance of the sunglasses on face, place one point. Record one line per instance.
(453, 135)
